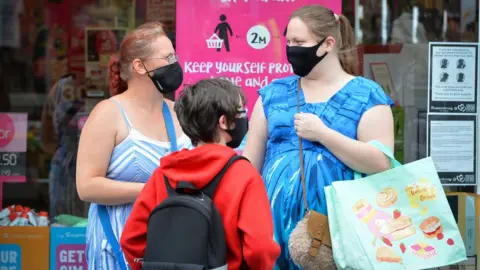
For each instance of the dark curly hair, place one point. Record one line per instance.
(200, 106)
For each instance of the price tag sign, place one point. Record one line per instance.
(12, 166)
(13, 148)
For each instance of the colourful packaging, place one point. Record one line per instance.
(24, 248)
(67, 248)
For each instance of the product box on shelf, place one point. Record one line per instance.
(24, 238)
(466, 210)
(67, 248)
(24, 247)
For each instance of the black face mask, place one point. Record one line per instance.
(304, 59)
(167, 79)
(238, 132)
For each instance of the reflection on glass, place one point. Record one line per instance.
(384, 22)
(415, 21)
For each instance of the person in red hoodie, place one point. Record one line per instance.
(212, 114)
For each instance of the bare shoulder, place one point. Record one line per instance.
(105, 109)
(105, 113)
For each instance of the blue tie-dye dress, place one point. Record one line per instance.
(342, 113)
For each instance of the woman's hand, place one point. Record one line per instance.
(309, 126)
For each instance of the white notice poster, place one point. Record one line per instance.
(452, 146)
(453, 77)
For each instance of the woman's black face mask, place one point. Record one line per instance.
(167, 79)
(304, 59)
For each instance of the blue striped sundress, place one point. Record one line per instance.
(133, 160)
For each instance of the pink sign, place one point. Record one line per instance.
(13, 148)
(71, 256)
(241, 40)
(13, 132)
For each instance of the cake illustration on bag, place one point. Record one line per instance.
(387, 197)
(383, 225)
(399, 228)
(423, 250)
(387, 254)
(374, 219)
(431, 227)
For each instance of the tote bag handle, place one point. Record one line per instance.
(386, 151)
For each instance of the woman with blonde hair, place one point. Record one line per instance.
(334, 112)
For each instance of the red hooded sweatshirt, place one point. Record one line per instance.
(240, 198)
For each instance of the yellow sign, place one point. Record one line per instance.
(24, 248)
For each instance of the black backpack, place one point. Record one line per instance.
(185, 231)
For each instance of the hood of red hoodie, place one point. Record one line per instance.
(197, 166)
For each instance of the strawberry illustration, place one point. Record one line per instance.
(396, 214)
(402, 247)
(386, 241)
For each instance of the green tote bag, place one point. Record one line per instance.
(397, 219)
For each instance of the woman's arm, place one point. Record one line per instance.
(375, 124)
(96, 145)
(257, 136)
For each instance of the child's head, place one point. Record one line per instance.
(212, 111)
(223, 17)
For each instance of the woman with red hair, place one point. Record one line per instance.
(125, 137)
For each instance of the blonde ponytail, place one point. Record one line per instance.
(348, 50)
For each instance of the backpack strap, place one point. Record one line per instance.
(181, 185)
(210, 188)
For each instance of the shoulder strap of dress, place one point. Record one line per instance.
(125, 117)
